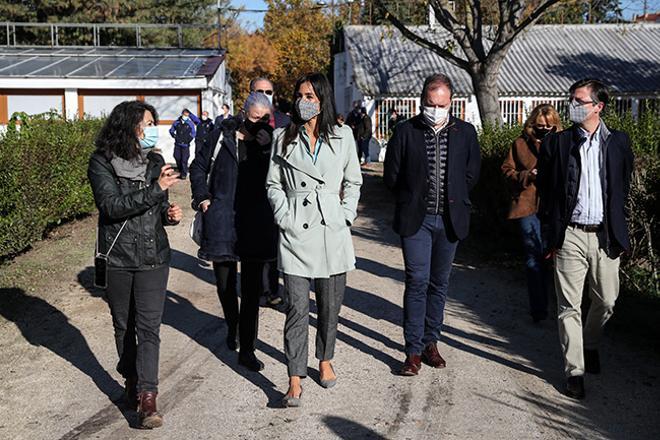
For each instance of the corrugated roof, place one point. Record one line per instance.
(108, 62)
(544, 60)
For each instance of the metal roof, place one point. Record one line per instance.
(80, 62)
(545, 60)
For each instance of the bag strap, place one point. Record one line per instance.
(113, 242)
(216, 151)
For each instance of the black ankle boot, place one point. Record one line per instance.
(250, 361)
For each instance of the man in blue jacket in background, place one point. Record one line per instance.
(183, 131)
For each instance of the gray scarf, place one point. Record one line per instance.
(135, 169)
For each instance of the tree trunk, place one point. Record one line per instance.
(484, 83)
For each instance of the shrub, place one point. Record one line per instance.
(44, 177)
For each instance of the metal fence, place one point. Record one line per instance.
(14, 34)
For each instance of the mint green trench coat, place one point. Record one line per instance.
(315, 204)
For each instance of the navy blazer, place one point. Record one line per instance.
(558, 182)
(407, 174)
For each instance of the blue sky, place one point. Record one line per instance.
(256, 20)
(250, 20)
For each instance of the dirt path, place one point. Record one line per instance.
(57, 377)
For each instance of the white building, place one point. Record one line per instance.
(80, 82)
(384, 70)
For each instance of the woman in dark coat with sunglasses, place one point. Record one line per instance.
(238, 221)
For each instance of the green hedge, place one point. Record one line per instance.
(491, 198)
(43, 177)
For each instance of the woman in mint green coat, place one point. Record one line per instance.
(313, 187)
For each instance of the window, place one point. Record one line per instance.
(458, 108)
(169, 108)
(34, 104)
(560, 104)
(99, 105)
(511, 110)
(405, 107)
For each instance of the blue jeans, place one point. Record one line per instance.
(428, 256)
(538, 272)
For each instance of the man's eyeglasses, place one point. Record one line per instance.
(265, 92)
(577, 103)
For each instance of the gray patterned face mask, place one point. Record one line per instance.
(577, 113)
(306, 109)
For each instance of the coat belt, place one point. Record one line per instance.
(307, 192)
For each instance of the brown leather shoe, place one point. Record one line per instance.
(412, 365)
(149, 417)
(130, 393)
(432, 357)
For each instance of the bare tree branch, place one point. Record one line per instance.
(445, 53)
(531, 18)
(460, 31)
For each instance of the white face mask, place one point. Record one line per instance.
(435, 115)
(577, 113)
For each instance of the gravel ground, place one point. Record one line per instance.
(503, 379)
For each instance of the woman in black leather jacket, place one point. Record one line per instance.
(130, 184)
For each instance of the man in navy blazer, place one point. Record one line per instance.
(583, 181)
(431, 164)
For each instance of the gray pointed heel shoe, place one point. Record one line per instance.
(329, 383)
(293, 402)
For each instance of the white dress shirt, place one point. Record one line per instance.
(589, 207)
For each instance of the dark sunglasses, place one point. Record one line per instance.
(265, 92)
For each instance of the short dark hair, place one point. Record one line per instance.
(225, 106)
(599, 91)
(433, 82)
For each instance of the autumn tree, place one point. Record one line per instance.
(300, 32)
(481, 35)
(249, 55)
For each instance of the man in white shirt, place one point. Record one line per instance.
(583, 182)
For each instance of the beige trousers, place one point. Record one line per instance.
(582, 256)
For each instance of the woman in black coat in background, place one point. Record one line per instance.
(237, 221)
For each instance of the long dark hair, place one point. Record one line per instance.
(326, 120)
(118, 136)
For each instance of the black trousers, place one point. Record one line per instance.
(136, 300)
(181, 157)
(271, 281)
(252, 287)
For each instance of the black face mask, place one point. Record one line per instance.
(540, 133)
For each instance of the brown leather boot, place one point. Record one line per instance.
(149, 417)
(431, 356)
(130, 393)
(411, 366)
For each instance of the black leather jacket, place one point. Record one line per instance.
(143, 243)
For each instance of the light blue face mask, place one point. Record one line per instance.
(150, 137)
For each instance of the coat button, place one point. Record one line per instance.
(305, 226)
(305, 203)
(303, 184)
(149, 212)
(323, 222)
